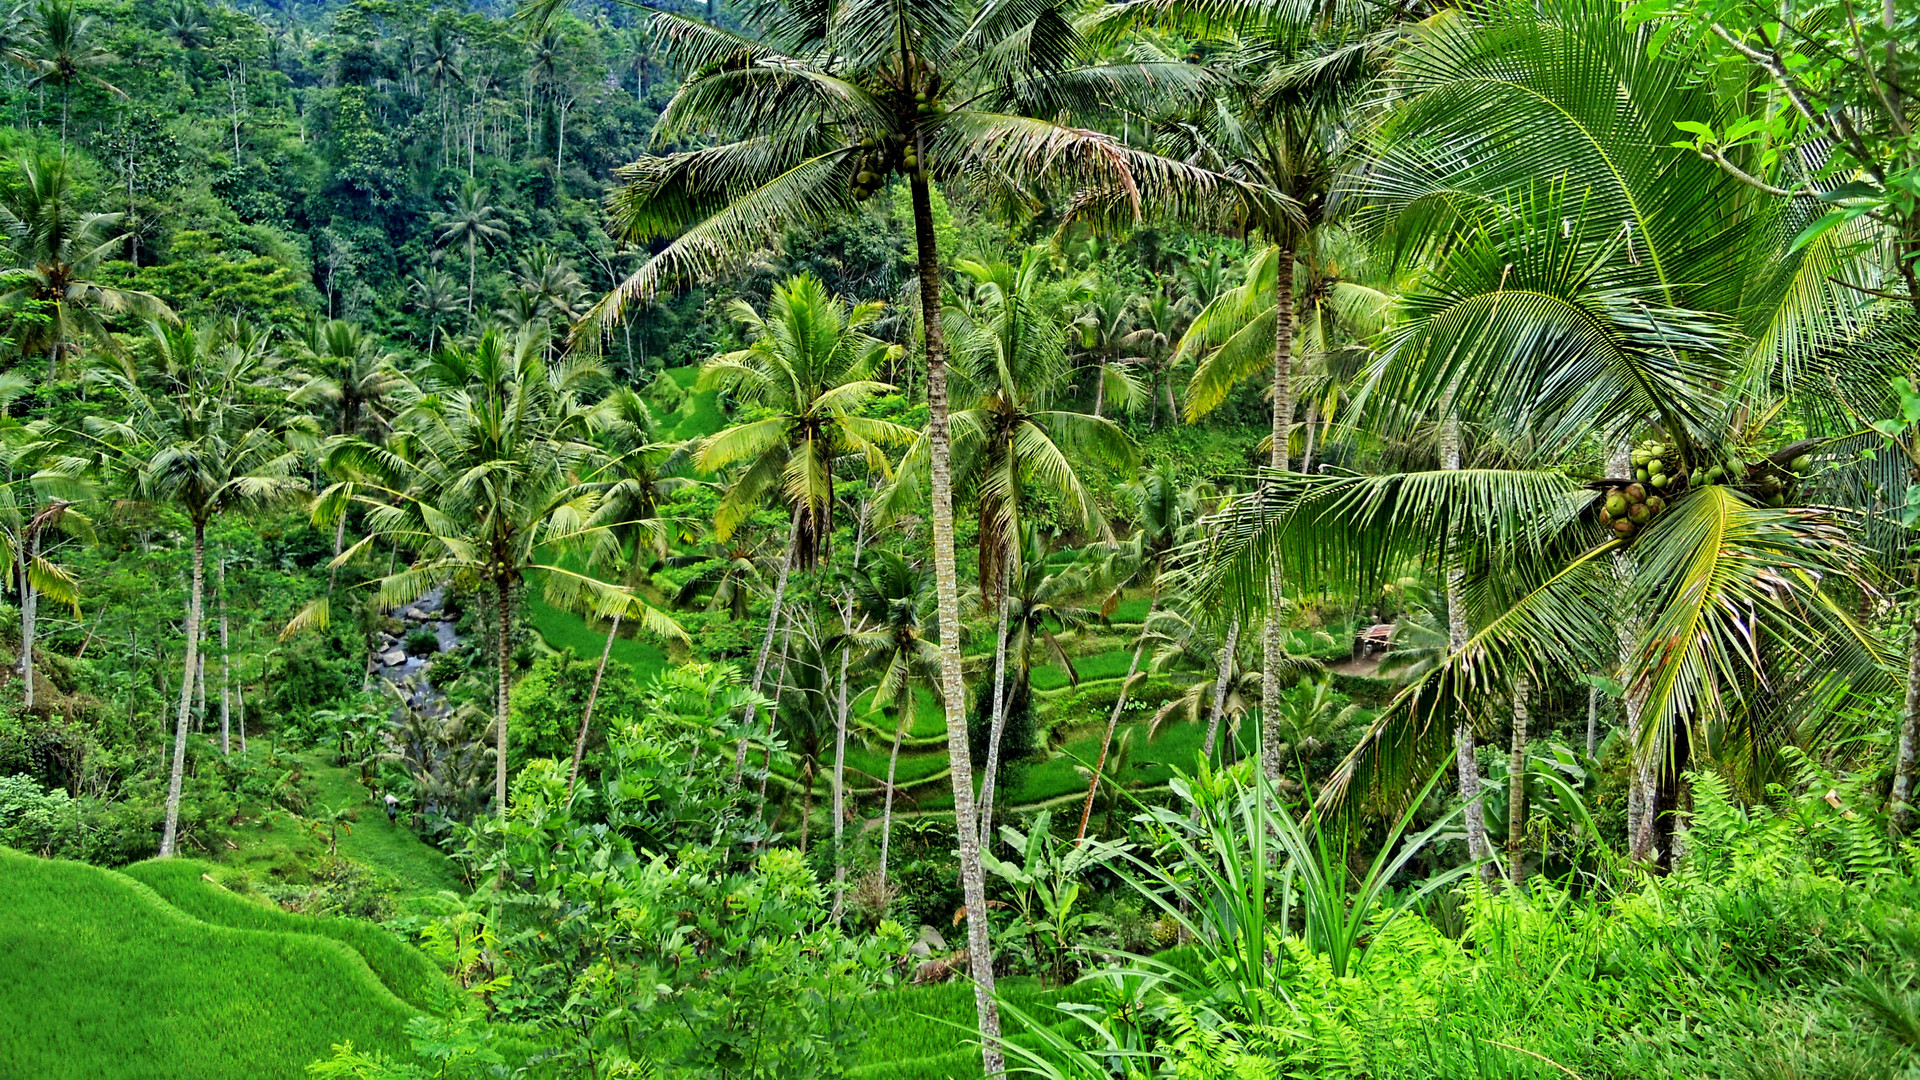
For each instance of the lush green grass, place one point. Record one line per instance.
(192, 886)
(1111, 664)
(410, 865)
(101, 979)
(929, 1032)
(563, 630)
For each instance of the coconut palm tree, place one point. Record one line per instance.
(636, 537)
(436, 297)
(473, 223)
(809, 370)
(63, 54)
(485, 479)
(206, 432)
(49, 481)
(824, 108)
(51, 281)
(353, 377)
(1678, 321)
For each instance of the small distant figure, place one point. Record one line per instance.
(393, 808)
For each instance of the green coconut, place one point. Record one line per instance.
(1801, 464)
(1616, 504)
(1638, 514)
(1640, 458)
(1605, 518)
(1642, 475)
(1659, 480)
(1714, 474)
(1776, 500)
(1624, 528)
(1656, 466)
(1655, 504)
(1635, 493)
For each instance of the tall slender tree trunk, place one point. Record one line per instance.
(473, 257)
(226, 670)
(806, 808)
(29, 610)
(593, 695)
(1313, 428)
(503, 692)
(1099, 389)
(1593, 717)
(1641, 775)
(1517, 783)
(1274, 638)
(947, 594)
(886, 812)
(1900, 818)
(171, 832)
(1113, 721)
(1465, 748)
(997, 725)
(1221, 675)
(766, 642)
(840, 779)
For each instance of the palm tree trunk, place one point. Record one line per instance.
(29, 611)
(1099, 389)
(172, 829)
(1313, 428)
(472, 259)
(1641, 773)
(998, 724)
(947, 594)
(766, 642)
(1593, 717)
(1274, 639)
(1517, 782)
(1220, 678)
(1465, 749)
(1113, 720)
(226, 671)
(593, 694)
(1900, 817)
(503, 693)
(886, 813)
(840, 781)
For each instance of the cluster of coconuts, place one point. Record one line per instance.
(1771, 479)
(883, 155)
(1628, 508)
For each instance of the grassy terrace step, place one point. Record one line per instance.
(102, 979)
(188, 884)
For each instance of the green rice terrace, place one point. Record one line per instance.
(959, 540)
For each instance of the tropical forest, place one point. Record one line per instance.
(959, 539)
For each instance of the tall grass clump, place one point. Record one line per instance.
(1783, 945)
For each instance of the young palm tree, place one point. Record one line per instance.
(484, 476)
(473, 223)
(352, 376)
(51, 479)
(206, 432)
(809, 369)
(53, 263)
(436, 297)
(825, 107)
(636, 537)
(64, 54)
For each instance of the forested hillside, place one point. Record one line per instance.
(930, 539)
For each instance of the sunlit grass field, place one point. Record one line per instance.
(101, 979)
